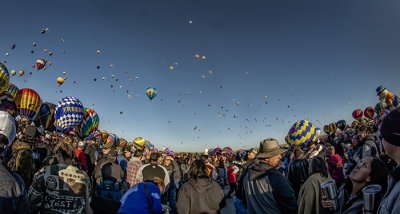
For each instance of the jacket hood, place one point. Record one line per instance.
(201, 185)
(18, 145)
(259, 171)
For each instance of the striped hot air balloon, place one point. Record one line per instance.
(326, 129)
(123, 142)
(301, 132)
(12, 89)
(28, 103)
(4, 77)
(357, 114)
(227, 150)
(103, 135)
(341, 124)
(138, 143)
(90, 123)
(369, 112)
(112, 139)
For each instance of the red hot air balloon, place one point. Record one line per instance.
(41, 63)
(357, 114)
(369, 112)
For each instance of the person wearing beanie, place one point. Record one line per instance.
(390, 134)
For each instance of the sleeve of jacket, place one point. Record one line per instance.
(139, 174)
(25, 167)
(37, 190)
(166, 178)
(183, 203)
(283, 193)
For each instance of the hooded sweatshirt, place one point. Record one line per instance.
(199, 196)
(24, 161)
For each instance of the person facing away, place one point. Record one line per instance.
(265, 188)
(133, 167)
(201, 194)
(143, 198)
(310, 194)
(148, 171)
(60, 188)
(298, 171)
(13, 195)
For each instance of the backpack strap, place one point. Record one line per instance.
(147, 197)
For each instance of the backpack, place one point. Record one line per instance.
(108, 189)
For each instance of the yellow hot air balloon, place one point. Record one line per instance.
(21, 72)
(4, 77)
(171, 67)
(203, 57)
(196, 56)
(60, 81)
(98, 51)
(13, 72)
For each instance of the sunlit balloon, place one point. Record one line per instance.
(28, 103)
(197, 56)
(4, 77)
(122, 142)
(13, 72)
(301, 132)
(151, 93)
(112, 139)
(12, 89)
(69, 113)
(60, 81)
(355, 124)
(138, 143)
(90, 123)
(98, 51)
(21, 72)
(40, 63)
(171, 67)
(369, 112)
(357, 114)
(104, 135)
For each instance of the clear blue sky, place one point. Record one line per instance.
(314, 60)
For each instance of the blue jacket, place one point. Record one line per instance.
(135, 201)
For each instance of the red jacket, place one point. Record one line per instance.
(231, 176)
(82, 158)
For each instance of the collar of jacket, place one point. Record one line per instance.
(260, 170)
(396, 173)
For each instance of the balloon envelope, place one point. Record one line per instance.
(12, 89)
(301, 132)
(90, 123)
(28, 103)
(341, 124)
(45, 117)
(369, 112)
(326, 129)
(151, 93)
(7, 103)
(4, 77)
(138, 143)
(357, 114)
(69, 113)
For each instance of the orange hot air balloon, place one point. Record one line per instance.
(357, 114)
(369, 112)
(28, 103)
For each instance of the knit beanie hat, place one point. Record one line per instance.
(390, 128)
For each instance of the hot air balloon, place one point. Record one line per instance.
(40, 63)
(69, 113)
(355, 124)
(369, 112)
(13, 72)
(12, 89)
(138, 143)
(89, 124)
(4, 77)
(7, 103)
(112, 139)
(123, 143)
(326, 129)
(227, 150)
(28, 103)
(147, 144)
(196, 56)
(301, 132)
(151, 93)
(333, 127)
(379, 106)
(104, 136)
(217, 150)
(357, 114)
(60, 81)
(21, 72)
(341, 124)
(45, 117)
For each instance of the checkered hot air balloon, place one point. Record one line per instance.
(369, 112)
(341, 124)
(333, 127)
(301, 132)
(138, 143)
(69, 113)
(357, 114)
(89, 124)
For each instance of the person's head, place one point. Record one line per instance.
(81, 145)
(251, 154)
(119, 150)
(318, 165)
(64, 151)
(138, 153)
(106, 148)
(154, 158)
(312, 145)
(364, 131)
(298, 153)
(329, 150)
(127, 153)
(167, 160)
(270, 152)
(112, 155)
(198, 170)
(390, 134)
(160, 183)
(93, 140)
(370, 170)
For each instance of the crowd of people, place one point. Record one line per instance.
(47, 172)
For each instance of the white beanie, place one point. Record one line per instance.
(7, 126)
